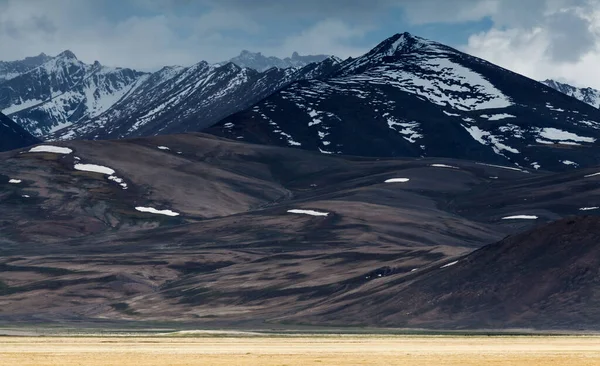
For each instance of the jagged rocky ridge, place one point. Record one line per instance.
(590, 96)
(46, 94)
(63, 91)
(12, 69)
(259, 62)
(178, 99)
(413, 97)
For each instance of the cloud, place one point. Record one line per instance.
(539, 38)
(561, 41)
(147, 34)
(330, 36)
(570, 37)
(450, 11)
(356, 11)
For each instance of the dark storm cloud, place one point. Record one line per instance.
(571, 37)
(35, 24)
(346, 10)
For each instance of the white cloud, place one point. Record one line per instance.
(449, 11)
(28, 27)
(563, 43)
(159, 33)
(539, 38)
(330, 36)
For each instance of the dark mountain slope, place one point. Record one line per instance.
(202, 230)
(414, 97)
(547, 278)
(12, 136)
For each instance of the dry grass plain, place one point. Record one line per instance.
(299, 350)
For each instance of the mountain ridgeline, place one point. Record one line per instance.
(259, 62)
(590, 96)
(177, 99)
(413, 97)
(415, 186)
(408, 96)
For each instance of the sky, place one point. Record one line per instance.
(557, 39)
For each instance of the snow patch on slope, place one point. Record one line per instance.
(50, 149)
(94, 169)
(308, 212)
(486, 138)
(157, 212)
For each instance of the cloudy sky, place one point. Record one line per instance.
(539, 38)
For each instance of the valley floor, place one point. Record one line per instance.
(300, 350)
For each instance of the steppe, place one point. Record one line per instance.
(303, 350)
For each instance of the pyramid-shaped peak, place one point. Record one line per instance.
(403, 42)
(67, 54)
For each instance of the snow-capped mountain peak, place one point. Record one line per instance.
(416, 97)
(62, 91)
(403, 43)
(67, 54)
(259, 62)
(179, 99)
(588, 95)
(12, 69)
(396, 47)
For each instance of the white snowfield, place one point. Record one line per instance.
(486, 138)
(50, 149)
(94, 169)
(24, 105)
(118, 180)
(592, 175)
(443, 166)
(157, 212)
(497, 117)
(308, 212)
(589, 208)
(554, 134)
(14, 181)
(397, 180)
(520, 217)
(449, 264)
(163, 148)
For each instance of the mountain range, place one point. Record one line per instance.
(259, 62)
(413, 97)
(414, 186)
(62, 91)
(419, 98)
(62, 97)
(12, 69)
(587, 95)
(175, 100)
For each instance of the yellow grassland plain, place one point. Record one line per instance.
(301, 350)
